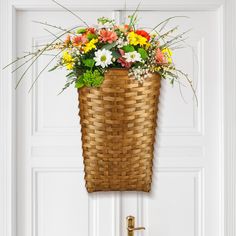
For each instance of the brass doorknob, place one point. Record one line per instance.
(131, 226)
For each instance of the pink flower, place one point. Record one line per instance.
(108, 36)
(123, 61)
(80, 39)
(160, 57)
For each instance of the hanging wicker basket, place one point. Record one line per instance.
(118, 123)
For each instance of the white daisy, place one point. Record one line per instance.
(103, 58)
(132, 56)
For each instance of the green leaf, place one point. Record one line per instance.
(91, 78)
(128, 48)
(79, 83)
(109, 46)
(89, 62)
(91, 36)
(98, 79)
(81, 31)
(70, 74)
(53, 68)
(115, 54)
(143, 53)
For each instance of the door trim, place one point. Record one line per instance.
(227, 100)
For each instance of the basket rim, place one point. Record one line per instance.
(121, 71)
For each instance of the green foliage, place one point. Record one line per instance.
(103, 20)
(81, 31)
(143, 53)
(91, 36)
(109, 46)
(115, 54)
(89, 79)
(89, 62)
(79, 83)
(128, 48)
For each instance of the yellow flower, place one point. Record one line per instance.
(68, 60)
(168, 53)
(67, 57)
(90, 45)
(135, 39)
(69, 66)
(147, 46)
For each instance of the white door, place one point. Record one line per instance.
(185, 196)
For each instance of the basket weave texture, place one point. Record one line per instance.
(118, 123)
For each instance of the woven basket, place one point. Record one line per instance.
(118, 123)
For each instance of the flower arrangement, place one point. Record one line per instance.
(118, 128)
(88, 52)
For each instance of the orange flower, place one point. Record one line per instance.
(67, 40)
(108, 36)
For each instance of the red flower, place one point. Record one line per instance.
(143, 33)
(108, 36)
(91, 30)
(123, 61)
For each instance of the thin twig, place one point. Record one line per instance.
(168, 32)
(177, 47)
(17, 59)
(78, 17)
(190, 83)
(45, 54)
(181, 93)
(44, 70)
(125, 9)
(18, 67)
(47, 24)
(174, 43)
(163, 26)
(52, 34)
(177, 79)
(133, 15)
(54, 26)
(168, 19)
(168, 43)
(41, 45)
(44, 49)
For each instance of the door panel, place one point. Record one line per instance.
(184, 201)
